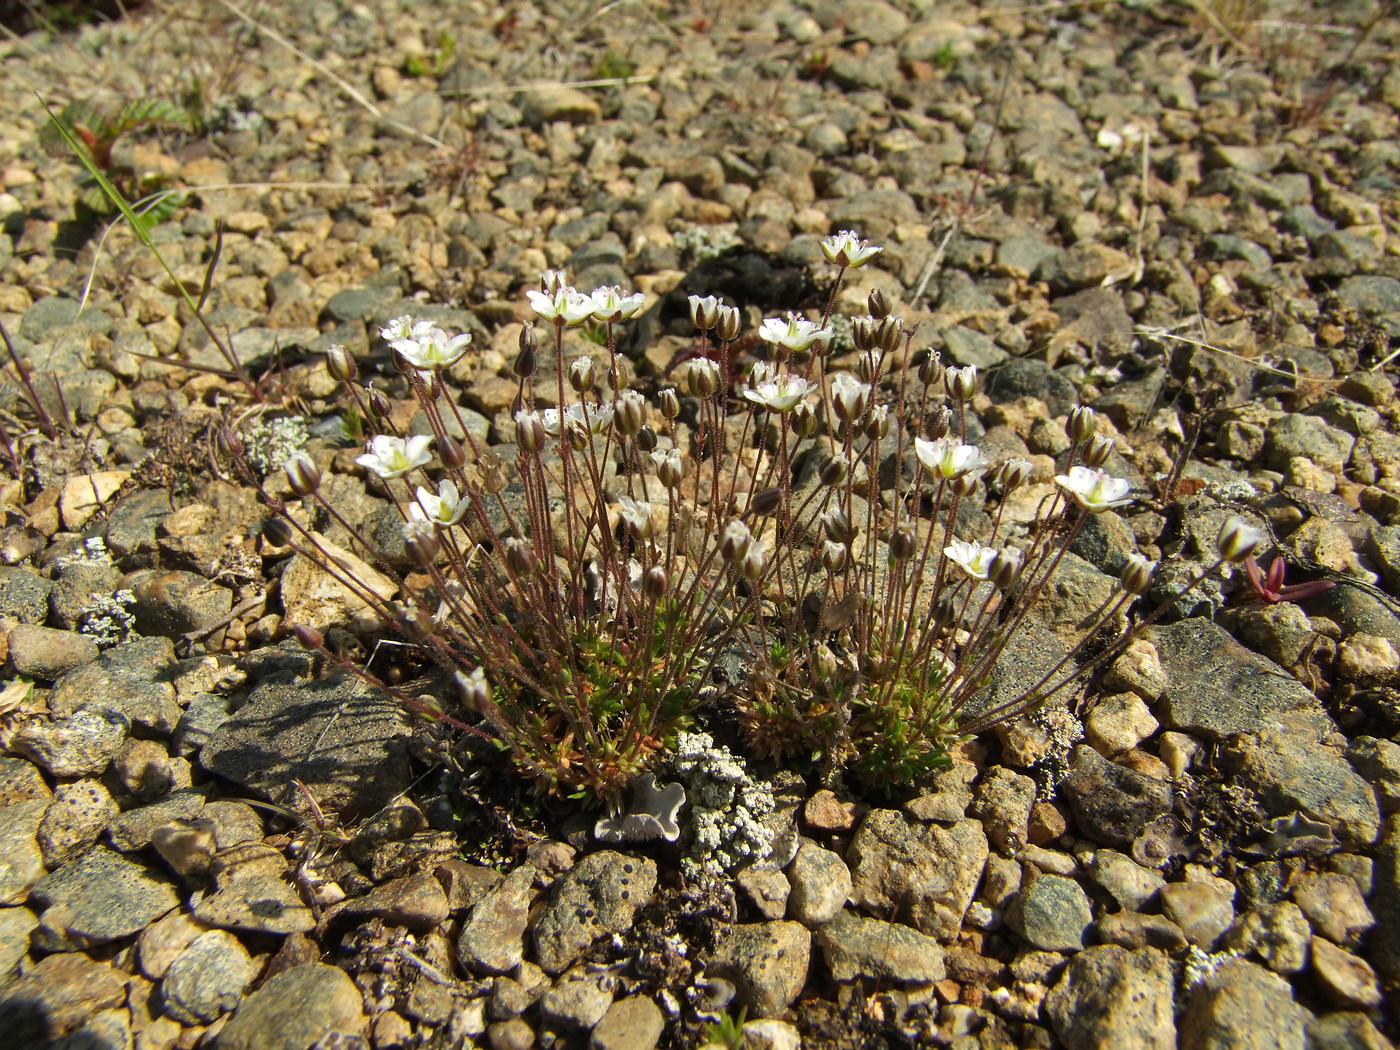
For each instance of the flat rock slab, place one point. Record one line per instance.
(600, 895)
(56, 997)
(856, 948)
(346, 742)
(100, 897)
(1216, 687)
(296, 1009)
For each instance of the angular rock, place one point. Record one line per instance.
(77, 815)
(1109, 997)
(599, 896)
(207, 979)
(295, 1009)
(1051, 913)
(1277, 933)
(252, 893)
(98, 898)
(492, 938)
(1110, 802)
(821, 885)
(767, 962)
(1203, 910)
(1334, 906)
(81, 745)
(56, 997)
(21, 858)
(859, 949)
(133, 679)
(1346, 979)
(1243, 1006)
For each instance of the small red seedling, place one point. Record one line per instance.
(1269, 586)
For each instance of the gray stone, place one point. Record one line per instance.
(1243, 1006)
(81, 745)
(252, 893)
(1127, 881)
(575, 1004)
(925, 874)
(21, 781)
(416, 902)
(1308, 436)
(767, 887)
(860, 949)
(207, 979)
(24, 595)
(16, 924)
(132, 678)
(767, 962)
(599, 896)
(1204, 910)
(1345, 1031)
(21, 859)
(1003, 804)
(492, 938)
(1110, 802)
(48, 654)
(1277, 933)
(172, 604)
(1109, 997)
(1334, 906)
(98, 898)
(1216, 687)
(1385, 901)
(56, 997)
(77, 815)
(347, 743)
(135, 828)
(204, 715)
(1052, 913)
(74, 584)
(295, 1009)
(1291, 773)
(634, 1023)
(821, 885)
(131, 525)
(1133, 930)
(558, 102)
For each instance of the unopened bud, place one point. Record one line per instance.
(1097, 451)
(945, 613)
(877, 422)
(833, 556)
(1137, 574)
(520, 556)
(961, 382)
(528, 356)
(729, 325)
(1013, 473)
(938, 422)
(230, 444)
(804, 420)
(581, 373)
(704, 312)
(303, 477)
(878, 303)
(863, 334)
(965, 485)
(401, 364)
(702, 377)
(415, 622)
(421, 541)
(834, 472)
(340, 364)
(379, 406)
(530, 434)
(890, 332)
(823, 662)
(669, 403)
(1005, 568)
(646, 438)
(1080, 425)
(1238, 540)
(655, 583)
(735, 542)
(931, 368)
(451, 451)
(752, 563)
(766, 501)
(629, 412)
(309, 637)
(473, 691)
(277, 531)
(836, 523)
(903, 543)
(868, 365)
(670, 469)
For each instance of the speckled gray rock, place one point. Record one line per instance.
(600, 895)
(171, 604)
(77, 815)
(1109, 997)
(56, 997)
(575, 1005)
(1295, 434)
(926, 874)
(80, 745)
(21, 859)
(16, 924)
(1385, 901)
(207, 979)
(821, 885)
(21, 781)
(856, 948)
(24, 594)
(295, 1009)
(98, 898)
(1051, 913)
(132, 678)
(1243, 1006)
(134, 829)
(1216, 687)
(1003, 803)
(1110, 802)
(48, 654)
(492, 938)
(767, 961)
(1277, 934)
(1292, 773)
(1127, 881)
(415, 902)
(252, 892)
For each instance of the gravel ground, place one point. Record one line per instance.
(1179, 213)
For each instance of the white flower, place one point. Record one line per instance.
(780, 394)
(564, 306)
(391, 457)
(637, 516)
(849, 396)
(444, 510)
(431, 348)
(404, 327)
(947, 458)
(848, 249)
(612, 304)
(704, 312)
(972, 558)
(701, 376)
(552, 280)
(670, 468)
(1093, 489)
(796, 333)
(595, 421)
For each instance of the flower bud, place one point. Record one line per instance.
(931, 368)
(1238, 540)
(752, 563)
(965, 485)
(401, 364)
(669, 403)
(230, 444)
(735, 542)
(863, 334)
(836, 523)
(833, 556)
(670, 469)
(1013, 473)
(378, 404)
(473, 691)
(834, 471)
(878, 303)
(1005, 568)
(529, 351)
(877, 422)
(646, 438)
(529, 432)
(303, 477)
(823, 662)
(1137, 574)
(890, 332)
(451, 452)
(415, 622)
(1097, 451)
(575, 434)
(655, 583)
(340, 364)
(938, 422)
(581, 373)
(629, 412)
(804, 420)
(903, 543)
(277, 531)
(729, 325)
(520, 556)
(421, 541)
(961, 382)
(766, 501)
(702, 376)
(868, 365)
(309, 637)
(945, 613)
(1080, 425)
(704, 312)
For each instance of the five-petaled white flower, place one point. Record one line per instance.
(1093, 489)
(429, 347)
(948, 458)
(796, 333)
(637, 516)
(781, 393)
(848, 249)
(972, 558)
(595, 420)
(391, 457)
(849, 396)
(405, 327)
(612, 304)
(563, 306)
(443, 510)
